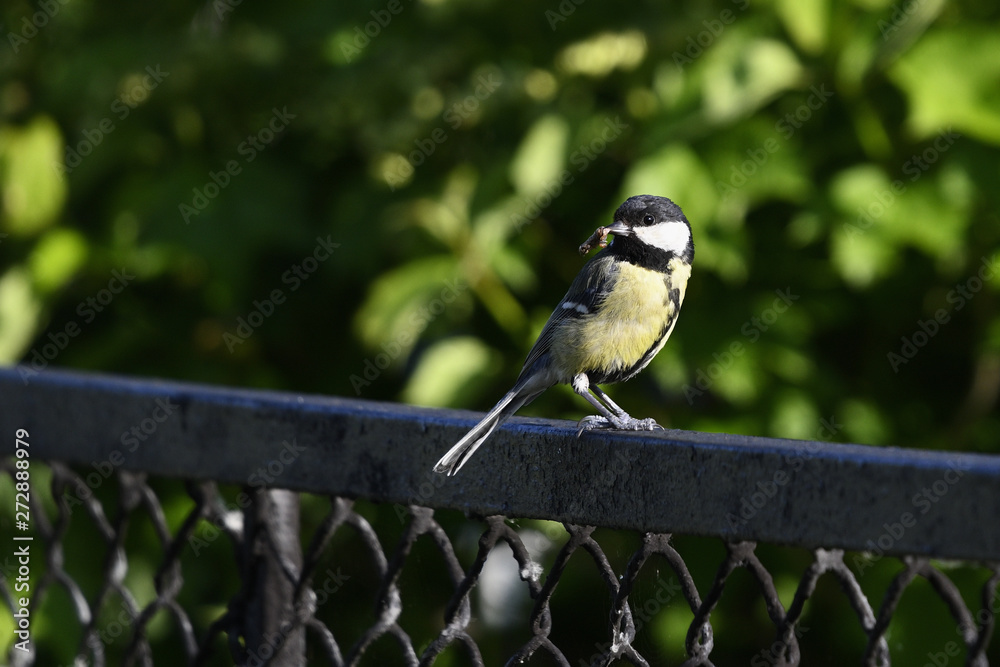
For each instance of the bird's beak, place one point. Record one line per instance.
(619, 228)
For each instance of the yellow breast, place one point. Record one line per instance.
(634, 321)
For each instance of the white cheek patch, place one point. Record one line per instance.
(670, 236)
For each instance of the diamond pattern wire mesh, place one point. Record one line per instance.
(202, 645)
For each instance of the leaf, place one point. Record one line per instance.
(795, 416)
(927, 211)
(861, 259)
(950, 77)
(541, 155)
(404, 301)
(20, 314)
(740, 381)
(675, 171)
(678, 173)
(807, 21)
(57, 256)
(863, 422)
(603, 53)
(446, 369)
(742, 72)
(31, 183)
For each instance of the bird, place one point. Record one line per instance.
(616, 316)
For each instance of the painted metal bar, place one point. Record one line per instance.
(801, 493)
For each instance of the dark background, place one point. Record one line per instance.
(837, 160)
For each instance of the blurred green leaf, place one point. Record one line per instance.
(927, 212)
(795, 416)
(861, 258)
(398, 304)
(862, 422)
(939, 98)
(744, 71)
(734, 377)
(677, 170)
(59, 254)
(541, 156)
(445, 369)
(31, 182)
(807, 22)
(598, 56)
(20, 312)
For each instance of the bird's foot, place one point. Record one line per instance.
(623, 423)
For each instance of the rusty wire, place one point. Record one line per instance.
(200, 644)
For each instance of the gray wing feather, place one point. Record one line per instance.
(588, 290)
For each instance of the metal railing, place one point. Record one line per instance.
(850, 506)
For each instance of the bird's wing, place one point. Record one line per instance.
(584, 296)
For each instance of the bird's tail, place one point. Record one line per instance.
(456, 457)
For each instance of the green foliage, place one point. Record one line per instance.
(842, 154)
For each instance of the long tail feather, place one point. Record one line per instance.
(456, 457)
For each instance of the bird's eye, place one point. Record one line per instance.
(648, 220)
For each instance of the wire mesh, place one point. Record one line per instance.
(226, 631)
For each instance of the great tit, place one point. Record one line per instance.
(616, 316)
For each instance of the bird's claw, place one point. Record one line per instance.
(592, 422)
(623, 423)
(648, 424)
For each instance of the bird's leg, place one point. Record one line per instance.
(613, 418)
(581, 385)
(604, 398)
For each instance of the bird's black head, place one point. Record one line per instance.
(652, 230)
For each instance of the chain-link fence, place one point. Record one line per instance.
(184, 549)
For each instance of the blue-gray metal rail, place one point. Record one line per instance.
(808, 494)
